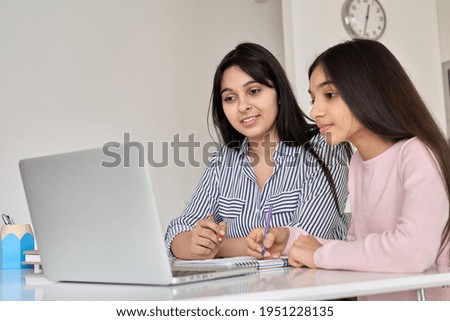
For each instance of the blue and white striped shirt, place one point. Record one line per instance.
(298, 191)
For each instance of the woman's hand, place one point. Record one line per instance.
(302, 251)
(206, 238)
(274, 244)
(202, 242)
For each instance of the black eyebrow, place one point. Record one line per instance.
(323, 84)
(224, 90)
(248, 83)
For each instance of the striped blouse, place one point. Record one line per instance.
(298, 191)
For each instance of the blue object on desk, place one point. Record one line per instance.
(13, 287)
(15, 238)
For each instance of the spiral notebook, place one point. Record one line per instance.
(239, 261)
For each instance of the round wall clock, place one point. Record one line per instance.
(364, 18)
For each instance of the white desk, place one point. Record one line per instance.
(282, 284)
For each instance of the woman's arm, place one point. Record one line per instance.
(199, 208)
(233, 247)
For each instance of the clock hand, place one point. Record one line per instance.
(367, 19)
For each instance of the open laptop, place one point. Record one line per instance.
(95, 222)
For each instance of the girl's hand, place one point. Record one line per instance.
(302, 251)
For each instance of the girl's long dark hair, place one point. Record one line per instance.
(292, 124)
(383, 98)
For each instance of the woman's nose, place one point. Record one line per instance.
(244, 106)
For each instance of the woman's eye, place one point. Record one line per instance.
(254, 91)
(311, 102)
(228, 99)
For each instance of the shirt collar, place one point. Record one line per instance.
(285, 150)
(244, 147)
(282, 150)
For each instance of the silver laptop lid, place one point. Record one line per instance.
(94, 223)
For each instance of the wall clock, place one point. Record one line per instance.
(364, 18)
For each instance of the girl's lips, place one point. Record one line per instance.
(324, 129)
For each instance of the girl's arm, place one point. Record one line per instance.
(412, 244)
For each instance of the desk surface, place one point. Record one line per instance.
(279, 284)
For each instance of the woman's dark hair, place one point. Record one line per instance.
(292, 124)
(382, 97)
(260, 64)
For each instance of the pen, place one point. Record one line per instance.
(7, 219)
(269, 216)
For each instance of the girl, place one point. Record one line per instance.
(399, 178)
(271, 157)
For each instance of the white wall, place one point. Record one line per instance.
(77, 74)
(412, 34)
(443, 9)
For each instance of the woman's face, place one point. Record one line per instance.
(249, 106)
(335, 120)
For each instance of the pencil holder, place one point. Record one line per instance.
(16, 238)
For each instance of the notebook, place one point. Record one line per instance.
(94, 222)
(239, 261)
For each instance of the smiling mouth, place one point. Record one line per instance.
(247, 120)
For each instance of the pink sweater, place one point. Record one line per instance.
(399, 209)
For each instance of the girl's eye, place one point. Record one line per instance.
(311, 102)
(330, 95)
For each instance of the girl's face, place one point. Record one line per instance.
(335, 120)
(250, 107)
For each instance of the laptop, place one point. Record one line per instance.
(96, 220)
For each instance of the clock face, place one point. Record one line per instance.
(364, 18)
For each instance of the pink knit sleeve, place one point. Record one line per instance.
(413, 241)
(294, 233)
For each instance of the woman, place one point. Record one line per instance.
(271, 156)
(399, 178)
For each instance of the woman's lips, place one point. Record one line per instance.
(249, 121)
